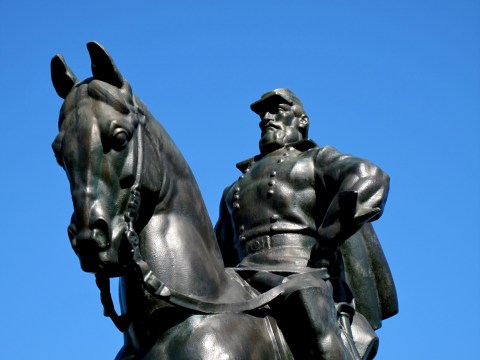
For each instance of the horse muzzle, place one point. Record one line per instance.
(97, 250)
(92, 239)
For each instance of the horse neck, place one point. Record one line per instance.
(178, 240)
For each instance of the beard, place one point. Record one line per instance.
(272, 139)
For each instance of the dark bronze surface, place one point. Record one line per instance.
(297, 206)
(138, 215)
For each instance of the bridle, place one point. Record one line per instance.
(130, 216)
(159, 289)
(131, 213)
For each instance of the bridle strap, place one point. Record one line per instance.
(133, 205)
(103, 282)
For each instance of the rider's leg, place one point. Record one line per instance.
(309, 321)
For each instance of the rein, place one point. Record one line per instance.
(158, 288)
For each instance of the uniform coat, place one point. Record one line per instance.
(297, 192)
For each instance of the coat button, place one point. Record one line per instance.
(255, 245)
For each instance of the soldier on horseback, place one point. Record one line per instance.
(292, 209)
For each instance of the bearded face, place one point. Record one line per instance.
(280, 126)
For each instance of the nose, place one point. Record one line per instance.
(266, 119)
(268, 116)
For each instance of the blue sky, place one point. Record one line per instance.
(395, 82)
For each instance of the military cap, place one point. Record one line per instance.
(275, 97)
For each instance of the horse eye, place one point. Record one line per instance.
(119, 139)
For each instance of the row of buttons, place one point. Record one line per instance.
(270, 192)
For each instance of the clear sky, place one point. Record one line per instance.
(396, 82)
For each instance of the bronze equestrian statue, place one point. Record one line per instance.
(138, 215)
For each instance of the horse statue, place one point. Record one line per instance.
(139, 215)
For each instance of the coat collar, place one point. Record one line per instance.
(302, 145)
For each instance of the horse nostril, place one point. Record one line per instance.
(100, 224)
(100, 233)
(72, 231)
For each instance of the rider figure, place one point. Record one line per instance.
(290, 210)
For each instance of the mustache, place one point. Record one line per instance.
(270, 125)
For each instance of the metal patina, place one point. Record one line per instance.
(293, 232)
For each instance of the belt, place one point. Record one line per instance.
(264, 242)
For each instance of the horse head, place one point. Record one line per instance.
(99, 145)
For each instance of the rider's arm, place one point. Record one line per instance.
(356, 190)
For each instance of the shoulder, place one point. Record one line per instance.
(328, 155)
(310, 146)
(329, 152)
(308, 149)
(322, 155)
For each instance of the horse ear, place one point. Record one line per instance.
(103, 67)
(63, 78)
